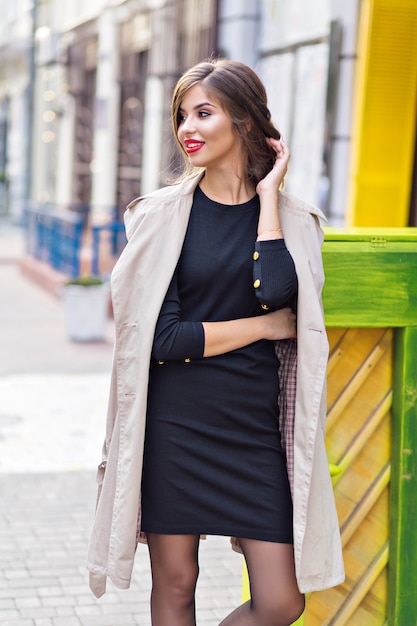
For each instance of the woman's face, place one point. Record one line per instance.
(206, 133)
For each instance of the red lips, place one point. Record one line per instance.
(192, 145)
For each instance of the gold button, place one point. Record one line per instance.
(187, 360)
(255, 255)
(257, 283)
(161, 362)
(265, 307)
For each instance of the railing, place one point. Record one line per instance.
(55, 238)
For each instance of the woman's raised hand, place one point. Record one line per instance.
(281, 324)
(274, 178)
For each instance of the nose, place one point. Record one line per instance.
(187, 125)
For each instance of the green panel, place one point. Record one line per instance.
(370, 283)
(402, 602)
(353, 233)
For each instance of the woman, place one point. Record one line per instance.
(203, 297)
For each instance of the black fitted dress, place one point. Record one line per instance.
(213, 462)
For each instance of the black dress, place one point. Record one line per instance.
(213, 461)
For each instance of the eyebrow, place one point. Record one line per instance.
(199, 106)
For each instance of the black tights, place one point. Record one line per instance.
(174, 563)
(275, 599)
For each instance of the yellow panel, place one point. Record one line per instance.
(384, 120)
(359, 441)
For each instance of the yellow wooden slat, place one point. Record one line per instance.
(363, 435)
(371, 611)
(347, 357)
(370, 461)
(335, 336)
(354, 599)
(365, 505)
(357, 380)
(359, 441)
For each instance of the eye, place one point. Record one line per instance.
(180, 118)
(203, 113)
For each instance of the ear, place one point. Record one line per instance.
(248, 124)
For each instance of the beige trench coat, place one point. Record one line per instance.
(156, 226)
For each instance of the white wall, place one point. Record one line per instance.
(153, 134)
(106, 118)
(285, 22)
(293, 65)
(287, 42)
(238, 23)
(15, 41)
(69, 14)
(17, 153)
(348, 14)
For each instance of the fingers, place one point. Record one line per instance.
(276, 176)
(292, 324)
(282, 154)
(278, 145)
(283, 324)
(282, 151)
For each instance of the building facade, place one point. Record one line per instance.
(85, 90)
(106, 70)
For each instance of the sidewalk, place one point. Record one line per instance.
(44, 535)
(53, 403)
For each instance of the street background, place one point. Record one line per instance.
(53, 395)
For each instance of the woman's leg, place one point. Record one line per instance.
(174, 564)
(275, 599)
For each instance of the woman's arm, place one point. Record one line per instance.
(176, 339)
(274, 275)
(221, 337)
(269, 226)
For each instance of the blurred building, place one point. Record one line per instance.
(85, 90)
(105, 70)
(16, 102)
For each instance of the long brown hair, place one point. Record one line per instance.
(242, 95)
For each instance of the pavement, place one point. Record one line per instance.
(52, 416)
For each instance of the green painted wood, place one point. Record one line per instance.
(370, 283)
(402, 596)
(368, 234)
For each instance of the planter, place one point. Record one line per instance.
(86, 309)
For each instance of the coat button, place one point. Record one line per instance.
(265, 307)
(257, 283)
(255, 255)
(187, 360)
(161, 362)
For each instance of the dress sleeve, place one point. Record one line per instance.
(274, 275)
(175, 339)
